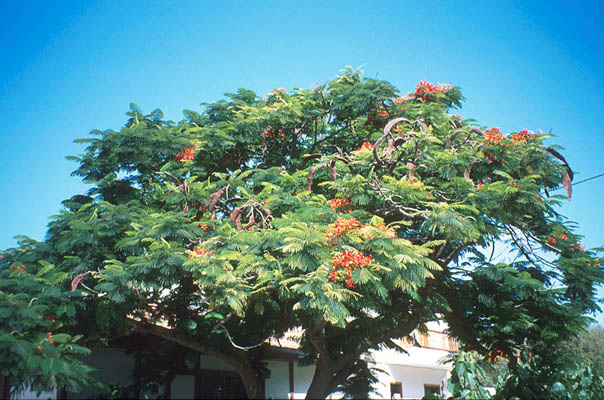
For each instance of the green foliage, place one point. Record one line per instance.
(558, 375)
(345, 210)
(36, 313)
(466, 377)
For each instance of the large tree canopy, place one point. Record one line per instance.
(347, 211)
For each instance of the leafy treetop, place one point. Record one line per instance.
(346, 210)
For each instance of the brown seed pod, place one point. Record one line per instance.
(468, 171)
(393, 122)
(238, 221)
(452, 137)
(566, 182)
(214, 199)
(566, 179)
(394, 142)
(251, 221)
(478, 131)
(411, 167)
(311, 156)
(311, 172)
(235, 214)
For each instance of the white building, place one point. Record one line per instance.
(407, 376)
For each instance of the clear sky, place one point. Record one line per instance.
(69, 67)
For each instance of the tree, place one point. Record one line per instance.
(34, 306)
(345, 210)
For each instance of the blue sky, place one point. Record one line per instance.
(73, 66)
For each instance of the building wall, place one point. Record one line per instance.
(278, 386)
(413, 370)
(29, 394)
(412, 379)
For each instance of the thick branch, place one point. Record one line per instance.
(169, 335)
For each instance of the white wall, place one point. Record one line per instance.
(29, 394)
(412, 379)
(302, 379)
(418, 367)
(277, 386)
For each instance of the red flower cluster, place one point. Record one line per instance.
(560, 238)
(412, 181)
(344, 263)
(186, 154)
(201, 251)
(19, 267)
(365, 145)
(522, 136)
(430, 92)
(341, 227)
(340, 202)
(382, 112)
(270, 132)
(50, 339)
(494, 356)
(493, 136)
(350, 259)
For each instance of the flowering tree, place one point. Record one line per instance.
(346, 210)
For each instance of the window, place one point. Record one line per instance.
(423, 339)
(431, 389)
(396, 390)
(453, 344)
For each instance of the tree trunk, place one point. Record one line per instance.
(241, 361)
(328, 375)
(321, 382)
(254, 384)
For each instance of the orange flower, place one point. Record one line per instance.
(341, 227)
(522, 136)
(186, 154)
(343, 265)
(365, 145)
(430, 92)
(493, 136)
(338, 203)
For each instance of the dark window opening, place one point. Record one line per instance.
(431, 389)
(396, 390)
(219, 385)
